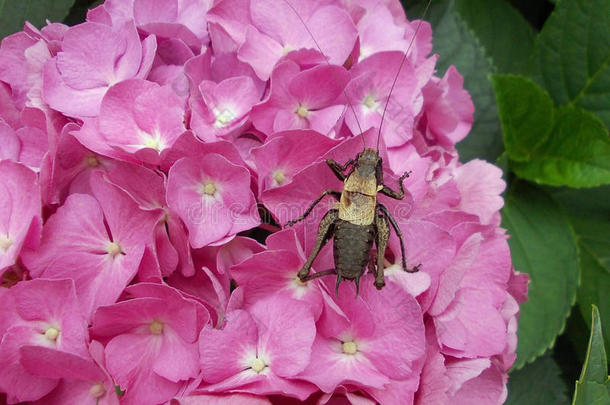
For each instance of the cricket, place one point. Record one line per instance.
(358, 220)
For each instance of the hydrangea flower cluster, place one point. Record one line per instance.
(146, 152)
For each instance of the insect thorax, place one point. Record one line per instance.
(357, 208)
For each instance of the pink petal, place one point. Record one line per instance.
(481, 186)
(471, 326)
(50, 363)
(261, 52)
(228, 210)
(287, 153)
(177, 360)
(223, 352)
(329, 367)
(286, 333)
(129, 359)
(15, 381)
(20, 202)
(228, 399)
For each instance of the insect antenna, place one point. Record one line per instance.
(349, 103)
(404, 58)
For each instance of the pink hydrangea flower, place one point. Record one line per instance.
(37, 319)
(101, 240)
(302, 99)
(83, 380)
(285, 154)
(152, 156)
(223, 107)
(184, 20)
(212, 197)
(261, 350)
(93, 58)
(21, 211)
(139, 118)
(151, 341)
(363, 341)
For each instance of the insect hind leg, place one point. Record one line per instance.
(323, 273)
(325, 232)
(392, 221)
(381, 240)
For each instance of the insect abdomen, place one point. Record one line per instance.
(351, 248)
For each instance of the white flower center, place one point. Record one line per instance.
(156, 327)
(302, 111)
(287, 48)
(113, 249)
(97, 390)
(258, 365)
(279, 177)
(5, 243)
(153, 141)
(350, 347)
(370, 102)
(208, 188)
(224, 117)
(51, 333)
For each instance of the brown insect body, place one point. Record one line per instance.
(359, 196)
(356, 222)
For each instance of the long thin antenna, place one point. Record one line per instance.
(404, 57)
(333, 73)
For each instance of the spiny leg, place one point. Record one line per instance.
(371, 265)
(319, 274)
(393, 194)
(400, 238)
(381, 240)
(334, 193)
(337, 168)
(325, 232)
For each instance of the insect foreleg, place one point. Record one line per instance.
(390, 218)
(393, 194)
(325, 232)
(336, 194)
(338, 169)
(381, 240)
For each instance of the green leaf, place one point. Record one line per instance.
(543, 245)
(589, 211)
(594, 288)
(13, 13)
(590, 393)
(537, 383)
(456, 45)
(526, 114)
(573, 55)
(503, 33)
(595, 368)
(576, 154)
(593, 387)
(566, 146)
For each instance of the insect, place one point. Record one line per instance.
(358, 220)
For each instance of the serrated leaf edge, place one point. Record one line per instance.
(516, 365)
